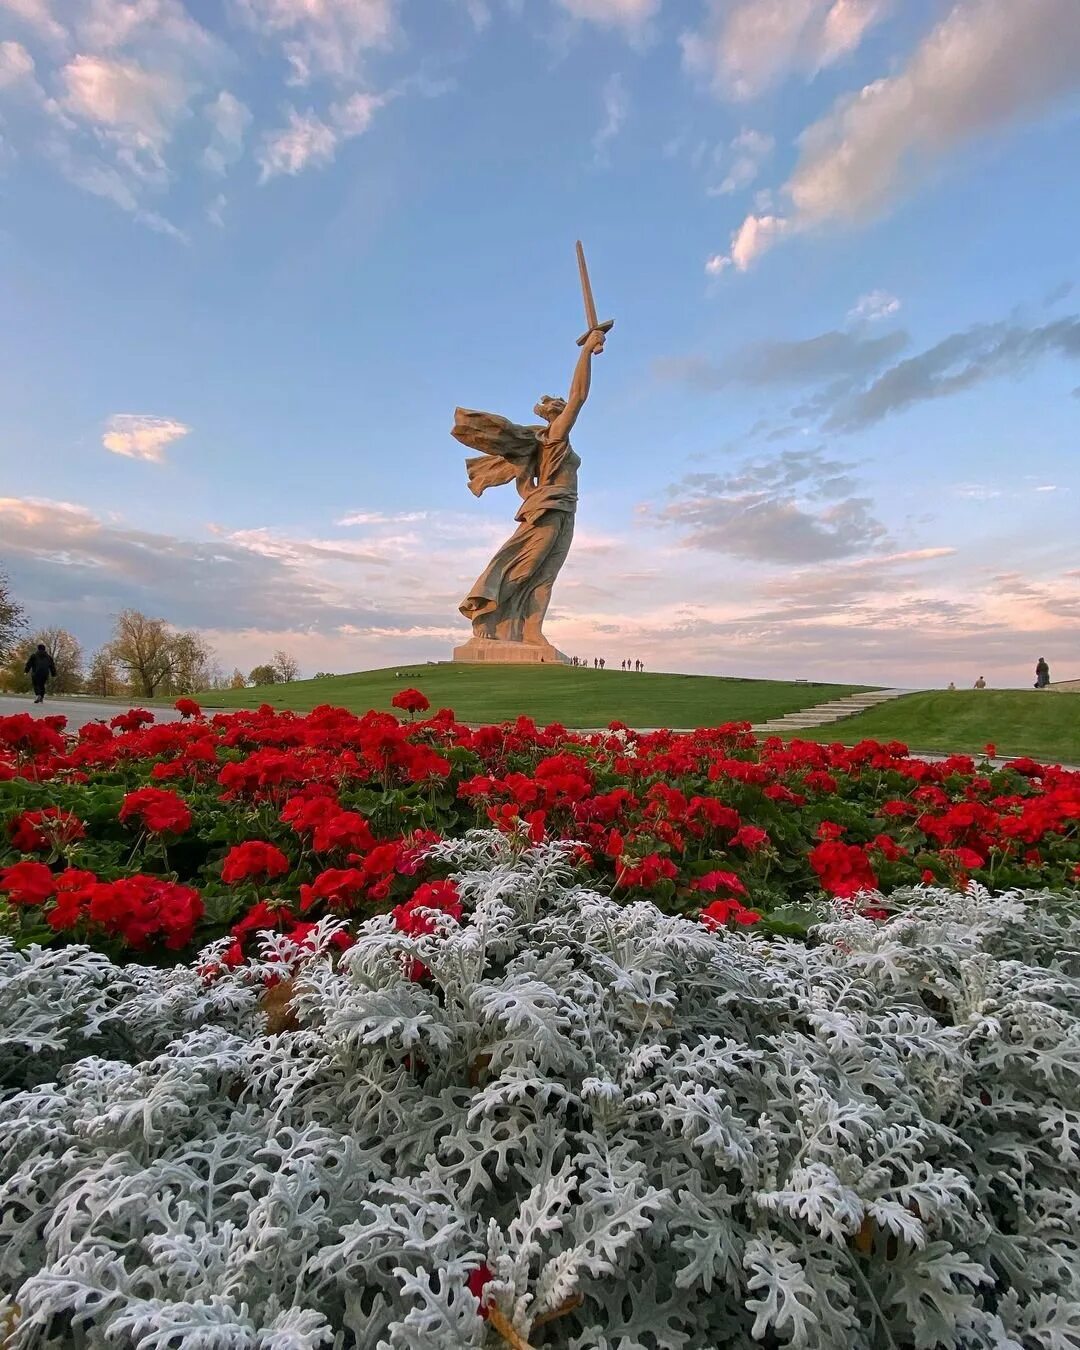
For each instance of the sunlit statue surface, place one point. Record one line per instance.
(510, 598)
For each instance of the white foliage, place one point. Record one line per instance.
(654, 1137)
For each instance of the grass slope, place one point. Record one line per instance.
(1017, 721)
(576, 697)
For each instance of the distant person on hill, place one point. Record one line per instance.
(1042, 673)
(40, 667)
(980, 683)
(952, 687)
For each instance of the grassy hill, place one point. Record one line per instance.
(1017, 721)
(576, 697)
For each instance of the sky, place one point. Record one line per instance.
(254, 252)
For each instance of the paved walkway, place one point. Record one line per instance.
(78, 711)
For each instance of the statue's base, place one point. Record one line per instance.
(490, 651)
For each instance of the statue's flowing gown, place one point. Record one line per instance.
(510, 597)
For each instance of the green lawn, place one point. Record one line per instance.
(1017, 721)
(575, 697)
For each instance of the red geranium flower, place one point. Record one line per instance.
(712, 882)
(255, 858)
(187, 707)
(410, 701)
(28, 883)
(438, 895)
(844, 869)
(750, 837)
(477, 1281)
(158, 810)
(720, 912)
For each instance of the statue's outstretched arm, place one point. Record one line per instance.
(579, 386)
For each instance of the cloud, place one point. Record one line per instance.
(750, 240)
(827, 356)
(120, 98)
(957, 363)
(16, 66)
(791, 509)
(873, 306)
(365, 599)
(747, 152)
(229, 120)
(163, 29)
(325, 38)
(141, 437)
(629, 14)
(309, 142)
(857, 379)
(35, 15)
(975, 492)
(305, 142)
(616, 106)
(988, 65)
(136, 108)
(746, 46)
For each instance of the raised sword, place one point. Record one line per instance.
(590, 303)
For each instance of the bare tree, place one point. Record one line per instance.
(12, 618)
(103, 677)
(145, 648)
(287, 667)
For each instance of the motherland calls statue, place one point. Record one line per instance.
(509, 600)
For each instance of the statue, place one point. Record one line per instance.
(510, 598)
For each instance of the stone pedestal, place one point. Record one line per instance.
(489, 651)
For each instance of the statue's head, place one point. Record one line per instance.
(549, 407)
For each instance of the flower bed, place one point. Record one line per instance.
(154, 839)
(590, 1126)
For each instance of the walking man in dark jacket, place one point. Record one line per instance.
(40, 667)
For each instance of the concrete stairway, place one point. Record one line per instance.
(823, 714)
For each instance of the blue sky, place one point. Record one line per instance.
(252, 255)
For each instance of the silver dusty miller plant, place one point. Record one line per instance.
(623, 1132)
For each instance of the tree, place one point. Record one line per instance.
(192, 665)
(323, 675)
(12, 618)
(65, 650)
(287, 667)
(103, 674)
(145, 648)
(263, 675)
(237, 679)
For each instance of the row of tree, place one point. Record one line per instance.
(144, 657)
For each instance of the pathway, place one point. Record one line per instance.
(78, 711)
(824, 714)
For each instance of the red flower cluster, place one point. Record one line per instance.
(410, 701)
(439, 896)
(336, 811)
(133, 909)
(253, 861)
(844, 869)
(722, 912)
(156, 810)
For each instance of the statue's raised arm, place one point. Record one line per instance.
(580, 384)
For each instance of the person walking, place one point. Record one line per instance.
(980, 683)
(1042, 674)
(40, 667)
